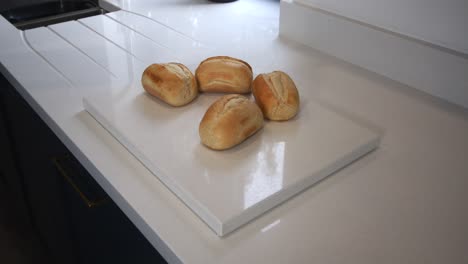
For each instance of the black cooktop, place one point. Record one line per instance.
(46, 13)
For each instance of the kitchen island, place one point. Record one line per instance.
(405, 202)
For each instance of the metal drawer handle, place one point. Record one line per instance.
(88, 202)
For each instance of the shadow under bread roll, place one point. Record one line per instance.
(171, 82)
(277, 95)
(229, 121)
(223, 74)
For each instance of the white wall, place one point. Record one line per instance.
(416, 64)
(441, 22)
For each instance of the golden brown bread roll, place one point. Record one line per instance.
(223, 74)
(277, 95)
(171, 82)
(229, 121)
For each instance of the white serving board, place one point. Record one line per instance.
(228, 188)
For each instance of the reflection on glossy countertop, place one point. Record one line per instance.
(267, 177)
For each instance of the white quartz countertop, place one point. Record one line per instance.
(403, 203)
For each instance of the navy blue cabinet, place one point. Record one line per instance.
(75, 219)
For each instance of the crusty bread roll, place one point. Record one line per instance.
(223, 74)
(171, 82)
(229, 121)
(277, 95)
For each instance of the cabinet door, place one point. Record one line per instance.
(102, 231)
(35, 145)
(75, 218)
(9, 176)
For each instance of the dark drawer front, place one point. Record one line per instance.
(75, 218)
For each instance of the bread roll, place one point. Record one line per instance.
(229, 121)
(224, 74)
(277, 95)
(171, 82)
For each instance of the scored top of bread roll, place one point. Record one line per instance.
(277, 95)
(223, 74)
(171, 82)
(229, 121)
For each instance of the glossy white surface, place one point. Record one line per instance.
(419, 65)
(229, 188)
(441, 23)
(138, 45)
(405, 202)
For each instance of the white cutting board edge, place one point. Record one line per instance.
(283, 195)
(224, 228)
(196, 207)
